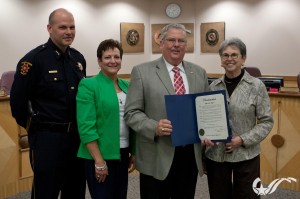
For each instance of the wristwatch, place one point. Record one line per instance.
(173, 10)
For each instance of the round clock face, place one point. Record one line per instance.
(173, 10)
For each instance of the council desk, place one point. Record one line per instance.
(280, 151)
(15, 171)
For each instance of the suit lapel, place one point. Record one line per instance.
(163, 74)
(190, 75)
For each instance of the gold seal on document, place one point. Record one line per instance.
(201, 132)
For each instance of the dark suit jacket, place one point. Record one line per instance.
(145, 106)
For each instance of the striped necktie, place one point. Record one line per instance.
(178, 81)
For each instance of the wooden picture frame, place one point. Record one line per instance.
(132, 37)
(212, 35)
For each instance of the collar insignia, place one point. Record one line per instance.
(79, 65)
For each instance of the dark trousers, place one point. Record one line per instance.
(232, 180)
(116, 183)
(55, 165)
(180, 182)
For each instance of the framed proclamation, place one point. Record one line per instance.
(212, 116)
(198, 116)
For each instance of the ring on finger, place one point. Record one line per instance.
(162, 129)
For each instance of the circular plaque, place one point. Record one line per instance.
(277, 141)
(132, 37)
(212, 37)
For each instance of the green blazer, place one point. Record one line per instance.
(98, 116)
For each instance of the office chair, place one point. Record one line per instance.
(253, 71)
(6, 81)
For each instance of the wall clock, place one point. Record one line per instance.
(173, 10)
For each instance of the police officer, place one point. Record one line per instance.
(43, 100)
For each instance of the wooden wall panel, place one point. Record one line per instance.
(15, 170)
(284, 161)
(25, 167)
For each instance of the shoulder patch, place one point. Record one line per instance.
(25, 66)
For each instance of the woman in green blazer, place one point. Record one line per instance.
(107, 144)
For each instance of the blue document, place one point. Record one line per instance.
(182, 111)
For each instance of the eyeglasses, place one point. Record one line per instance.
(226, 56)
(173, 41)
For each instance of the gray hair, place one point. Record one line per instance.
(165, 29)
(233, 42)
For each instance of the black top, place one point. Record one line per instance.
(49, 79)
(231, 84)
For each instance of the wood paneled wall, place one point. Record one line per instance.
(280, 151)
(15, 171)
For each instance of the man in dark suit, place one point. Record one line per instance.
(165, 171)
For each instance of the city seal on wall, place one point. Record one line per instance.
(132, 37)
(212, 37)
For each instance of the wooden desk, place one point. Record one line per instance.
(15, 170)
(284, 161)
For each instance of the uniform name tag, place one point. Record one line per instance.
(52, 71)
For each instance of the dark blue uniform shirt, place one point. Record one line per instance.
(49, 79)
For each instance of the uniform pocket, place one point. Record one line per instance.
(53, 77)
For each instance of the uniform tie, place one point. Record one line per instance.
(178, 82)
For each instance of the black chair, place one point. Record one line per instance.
(253, 71)
(7, 79)
(298, 81)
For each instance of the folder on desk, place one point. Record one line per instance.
(181, 111)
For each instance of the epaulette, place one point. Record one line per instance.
(26, 62)
(37, 49)
(75, 54)
(74, 50)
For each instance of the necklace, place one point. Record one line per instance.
(228, 82)
(121, 98)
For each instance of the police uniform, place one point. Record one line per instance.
(43, 100)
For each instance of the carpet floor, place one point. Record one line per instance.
(201, 191)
